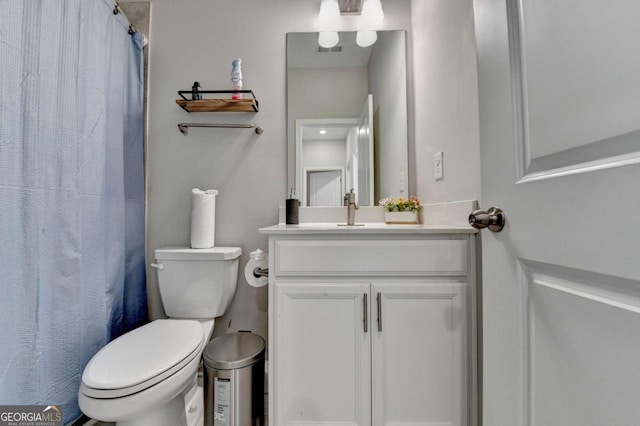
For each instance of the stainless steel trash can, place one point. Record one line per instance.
(234, 380)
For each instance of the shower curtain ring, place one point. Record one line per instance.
(131, 30)
(115, 9)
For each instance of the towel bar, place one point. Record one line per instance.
(184, 127)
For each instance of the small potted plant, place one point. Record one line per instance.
(400, 210)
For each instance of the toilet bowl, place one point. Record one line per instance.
(147, 376)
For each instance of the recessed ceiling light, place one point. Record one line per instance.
(323, 132)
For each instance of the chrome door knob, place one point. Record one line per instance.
(494, 219)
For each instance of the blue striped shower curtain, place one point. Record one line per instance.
(71, 193)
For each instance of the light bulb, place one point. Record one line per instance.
(366, 38)
(329, 12)
(328, 39)
(372, 13)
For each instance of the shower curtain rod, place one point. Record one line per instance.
(117, 9)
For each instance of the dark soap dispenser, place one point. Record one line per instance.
(292, 209)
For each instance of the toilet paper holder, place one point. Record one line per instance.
(260, 272)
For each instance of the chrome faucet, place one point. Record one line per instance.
(352, 206)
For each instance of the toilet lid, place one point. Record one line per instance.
(142, 357)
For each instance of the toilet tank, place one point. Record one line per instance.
(197, 283)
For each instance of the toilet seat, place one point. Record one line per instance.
(142, 358)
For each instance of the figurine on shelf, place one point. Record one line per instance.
(195, 93)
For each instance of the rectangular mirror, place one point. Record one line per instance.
(347, 118)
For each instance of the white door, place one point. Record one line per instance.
(420, 360)
(325, 187)
(559, 93)
(323, 371)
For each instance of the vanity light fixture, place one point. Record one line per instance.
(328, 39)
(372, 16)
(328, 19)
(366, 38)
(372, 12)
(323, 132)
(350, 7)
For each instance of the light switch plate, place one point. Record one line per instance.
(438, 166)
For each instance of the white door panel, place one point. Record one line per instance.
(562, 114)
(580, 348)
(559, 93)
(325, 188)
(323, 371)
(576, 84)
(420, 354)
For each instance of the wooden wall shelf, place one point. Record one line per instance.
(249, 104)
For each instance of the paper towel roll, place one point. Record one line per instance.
(257, 259)
(203, 218)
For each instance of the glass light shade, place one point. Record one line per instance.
(328, 39)
(366, 38)
(372, 13)
(329, 12)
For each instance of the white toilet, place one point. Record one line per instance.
(143, 377)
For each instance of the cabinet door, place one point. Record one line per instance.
(323, 354)
(419, 354)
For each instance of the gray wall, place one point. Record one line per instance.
(445, 99)
(324, 153)
(323, 93)
(387, 83)
(196, 40)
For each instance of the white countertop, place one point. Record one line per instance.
(440, 218)
(364, 228)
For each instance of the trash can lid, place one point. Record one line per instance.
(234, 350)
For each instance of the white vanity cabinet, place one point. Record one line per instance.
(371, 326)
